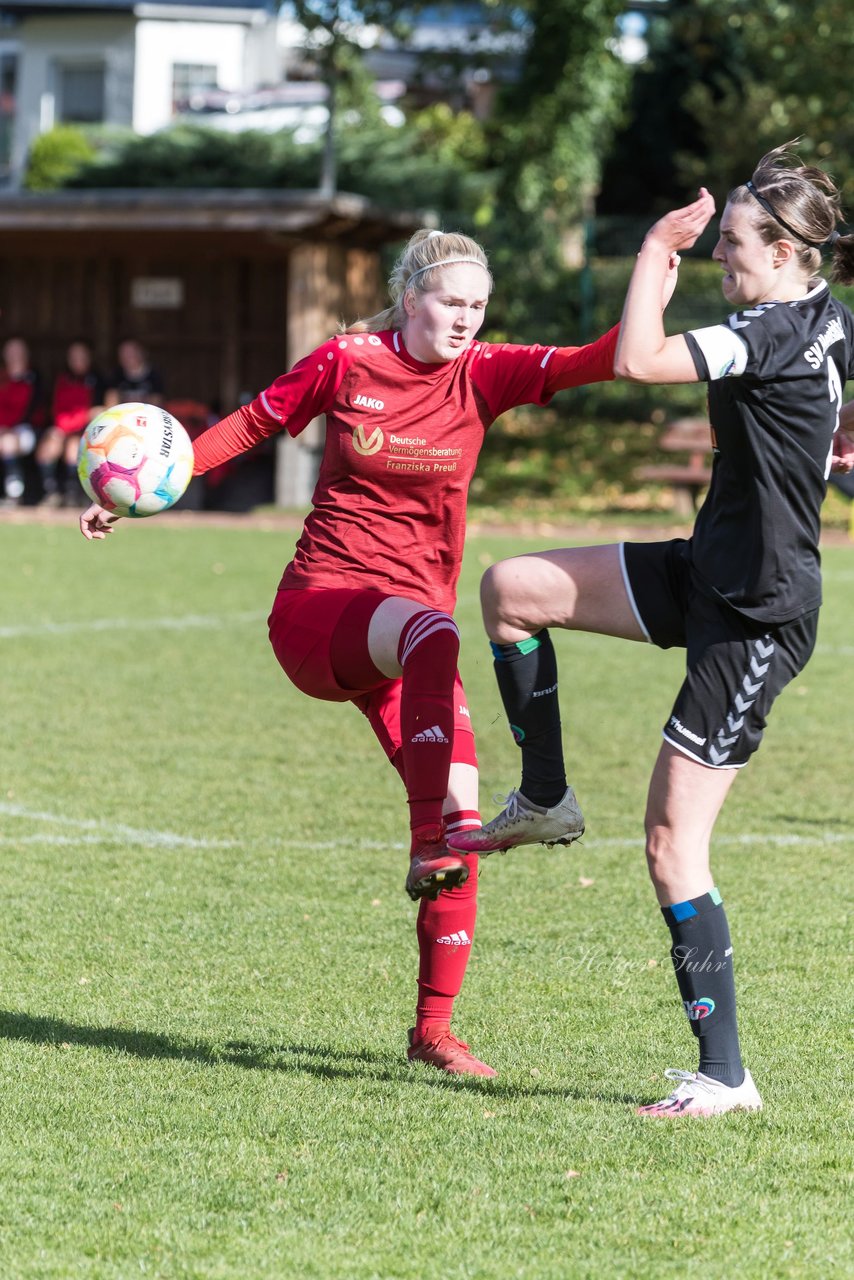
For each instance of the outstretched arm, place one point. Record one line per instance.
(644, 352)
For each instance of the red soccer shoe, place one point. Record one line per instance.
(432, 866)
(447, 1053)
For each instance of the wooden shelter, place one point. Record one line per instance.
(226, 289)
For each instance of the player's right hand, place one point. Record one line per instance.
(97, 522)
(681, 228)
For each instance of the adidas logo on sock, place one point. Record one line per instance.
(430, 735)
(460, 939)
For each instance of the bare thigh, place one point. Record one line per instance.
(387, 622)
(578, 588)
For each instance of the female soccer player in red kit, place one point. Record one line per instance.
(363, 613)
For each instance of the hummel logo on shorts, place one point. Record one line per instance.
(430, 735)
(460, 939)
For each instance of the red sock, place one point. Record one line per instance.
(445, 931)
(428, 651)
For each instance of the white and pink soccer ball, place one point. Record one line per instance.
(135, 460)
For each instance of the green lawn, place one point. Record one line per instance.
(208, 960)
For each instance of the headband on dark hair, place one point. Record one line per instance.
(769, 208)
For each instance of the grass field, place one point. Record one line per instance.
(208, 959)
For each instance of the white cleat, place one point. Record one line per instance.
(522, 822)
(699, 1095)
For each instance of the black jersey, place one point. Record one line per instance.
(775, 374)
(137, 387)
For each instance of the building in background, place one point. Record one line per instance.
(117, 62)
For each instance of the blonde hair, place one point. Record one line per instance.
(802, 202)
(426, 252)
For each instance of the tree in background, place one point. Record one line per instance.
(725, 81)
(548, 139)
(794, 81)
(554, 124)
(335, 46)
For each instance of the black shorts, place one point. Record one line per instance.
(736, 665)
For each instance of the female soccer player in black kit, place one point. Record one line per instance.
(741, 595)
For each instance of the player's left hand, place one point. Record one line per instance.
(96, 522)
(842, 457)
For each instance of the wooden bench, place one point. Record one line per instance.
(693, 437)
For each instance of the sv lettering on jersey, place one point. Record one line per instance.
(368, 402)
(815, 354)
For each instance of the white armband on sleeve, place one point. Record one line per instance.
(725, 352)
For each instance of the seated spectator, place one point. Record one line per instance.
(134, 379)
(19, 414)
(78, 394)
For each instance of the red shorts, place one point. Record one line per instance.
(302, 626)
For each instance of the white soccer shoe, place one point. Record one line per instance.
(699, 1095)
(522, 822)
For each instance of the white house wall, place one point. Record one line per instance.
(138, 54)
(161, 44)
(83, 38)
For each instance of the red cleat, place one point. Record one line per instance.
(433, 867)
(447, 1053)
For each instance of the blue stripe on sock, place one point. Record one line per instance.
(682, 911)
(524, 646)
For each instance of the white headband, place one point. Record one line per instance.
(446, 262)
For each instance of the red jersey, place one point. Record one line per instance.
(18, 399)
(402, 442)
(73, 401)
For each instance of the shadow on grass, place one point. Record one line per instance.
(316, 1060)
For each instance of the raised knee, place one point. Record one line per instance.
(429, 632)
(497, 596)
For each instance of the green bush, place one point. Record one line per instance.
(56, 157)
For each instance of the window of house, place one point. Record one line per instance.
(191, 78)
(8, 90)
(80, 93)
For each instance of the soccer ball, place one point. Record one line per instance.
(135, 460)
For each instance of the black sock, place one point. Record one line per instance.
(47, 471)
(527, 680)
(13, 482)
(702, 958)
(71, 487)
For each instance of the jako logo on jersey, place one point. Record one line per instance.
(366, 445)
(430, 735)
(699, 1009)
(368, 402)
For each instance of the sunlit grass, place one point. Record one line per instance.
(209, 962)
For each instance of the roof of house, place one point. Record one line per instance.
(145, 8)
(302, 215)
